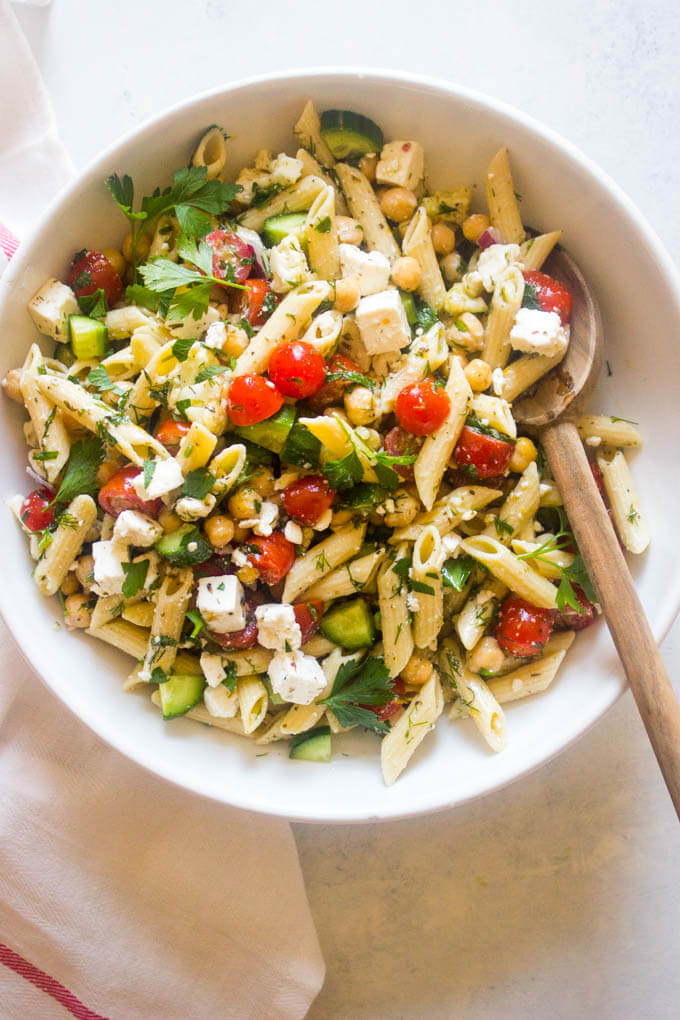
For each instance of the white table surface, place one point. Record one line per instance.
(559, 895)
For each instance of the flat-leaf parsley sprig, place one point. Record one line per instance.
(574, 572)
(162, 276)
(356, 685)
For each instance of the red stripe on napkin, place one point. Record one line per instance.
(8, 242)
(46, 984)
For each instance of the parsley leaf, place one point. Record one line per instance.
(198, 483)
(101, 380)
(359, 684)
(566, 596)
(456, 571)
(425, 317)
(301, 448)
(420, 586)
(344, 473)
(93, 305)
(209, 372)
(199, 623)
(354, 378)
(401, 568)
(230, 675)
(149, 468)
(182, 346)
(135, 576)
(530, 297)
(502, 527)
(324, 225)
(80, 478)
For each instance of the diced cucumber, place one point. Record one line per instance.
(88, 337)
(274, 698)
(272, 432)
(349, 624)
(185, 547)
(350, 135)
(301, 448)
(179, 693)
(409, 304)
(315, 745)
(277, 227)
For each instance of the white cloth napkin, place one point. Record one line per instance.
(120, 895)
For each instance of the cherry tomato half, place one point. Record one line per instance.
(232, 258)
(258, 301)
(274, 558)
(308, 499)
(522, 629)
(399, 444)
(485, 456)
(91, 271)
(297, 369)
(36, 512)
(307, 616)
(552, 296)
(170, 433)
(332, 392)
(119, 494)
(571, 619)
(421, 408)
(252, 398)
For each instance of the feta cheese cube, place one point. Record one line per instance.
(371, 268)
(221, 604)
(167, 476)
(108, 572)
(293, 532)
(50, 308)
(538, 332)
(216, 336)
(493, 262)
(191, 509)
(192, 329)
(382, 322)
(133, 528)
(220, 702)
(296, 677)
(213, 668)
(266, 522)
(277, 627)
(401, 164)
(288, 265)
(285, 170)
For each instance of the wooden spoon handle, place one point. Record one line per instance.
(611, 579)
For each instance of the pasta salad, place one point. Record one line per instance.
(275, 453)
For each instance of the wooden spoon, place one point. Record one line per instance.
(551, 411)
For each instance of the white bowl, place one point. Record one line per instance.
(639, 294)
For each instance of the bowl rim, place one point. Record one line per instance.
(670, 606)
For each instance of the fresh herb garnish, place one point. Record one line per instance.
(324, 225)
(135, 576)
(530, 297)
(359, 684)
(344, 473)
(209, 372)
(456, 571)
(230, 675)
(502, 527)
(80, 478)
(94, 304)
(102, 381)
(354, 378)
(149, 467)
(199, 623)
(198, 483)
(182, 346)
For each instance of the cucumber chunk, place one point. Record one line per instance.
(350, 135)
(272, 432)
(88, 337)
(185, 547)
(179, 693)
(349, 624)
(409, 304)
(277, 227)
(314, 745)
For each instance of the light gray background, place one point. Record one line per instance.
(558, 896)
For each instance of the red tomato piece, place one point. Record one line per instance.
(307, 616)
(232, 258)
(258, 301)
(119, 494)
(421, 408)
(571, 619)
(245, 638)
(216, 566)
(91, 271)
(552, 296)
(485, 456)
(393, 707)
(274, 557)
(170, 433)
(308, 499)
(399, 444)
(297, 369)
(252, 398)
(36, 512)
(522, 629)
(332, 392)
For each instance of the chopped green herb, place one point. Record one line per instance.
(357, 685)
(135, 576)
(80, 477)
(198, 483)
(456, 571)
(344, 473)
(209, 372)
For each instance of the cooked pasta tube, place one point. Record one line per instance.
(501, 200)
(535, 250)
(428, 617)
(513, 572)
(307, 130)
(67, 540)
(523, 373)
(226, 467)
(520, 506)
(252, 702)
(287, 323)
(350, 577)
(397, 634)
(477, 613)
(494, 411)
(506, 302)
(364, 207)
(629, 519)
(321, 558)
(418, 245)
(460, 505)
(297, 198)
(436, 451)
(172, 603)
(195, 448)
(47, 420)
(410, 730)
(607, 430)
(300, 718)
(475, 697)
(322, 236)
(211, 152)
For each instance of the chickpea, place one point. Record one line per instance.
(11, 384)
(450, 266)
(236, 342)
(84, 571)
(248, 574)
(337, 412)
(417, 671)
(70, 584)
(347, 294)
(219, 530)
(169, 521)
(403, 227)
(360, 406)
(371, 437)
(443, 239)
(263, 482)
(487, 654)
(368, 165)
(76, 611)
(398, 204)
(349, 231)
(340, 519)
(240, 534)
(478, 374)
(475, 225)
(524, 453)
(406, 273)
(116, 259)
(405, 510)
(245, 503)
(142, 250)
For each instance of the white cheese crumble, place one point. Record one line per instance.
(288, 265)
(266, 522)
(412, 603)
(167, 476)
(293, 532)
(538, 332)
(401, 164)
(50, 308)
(296, 677)
(277, 627)
(213, 668)
(370, 268)
(221, 604)
(108, 557)
(382, 322)
(216, 336)
(134, 528)
(220, 702)
(493, 262)
(593, 441)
